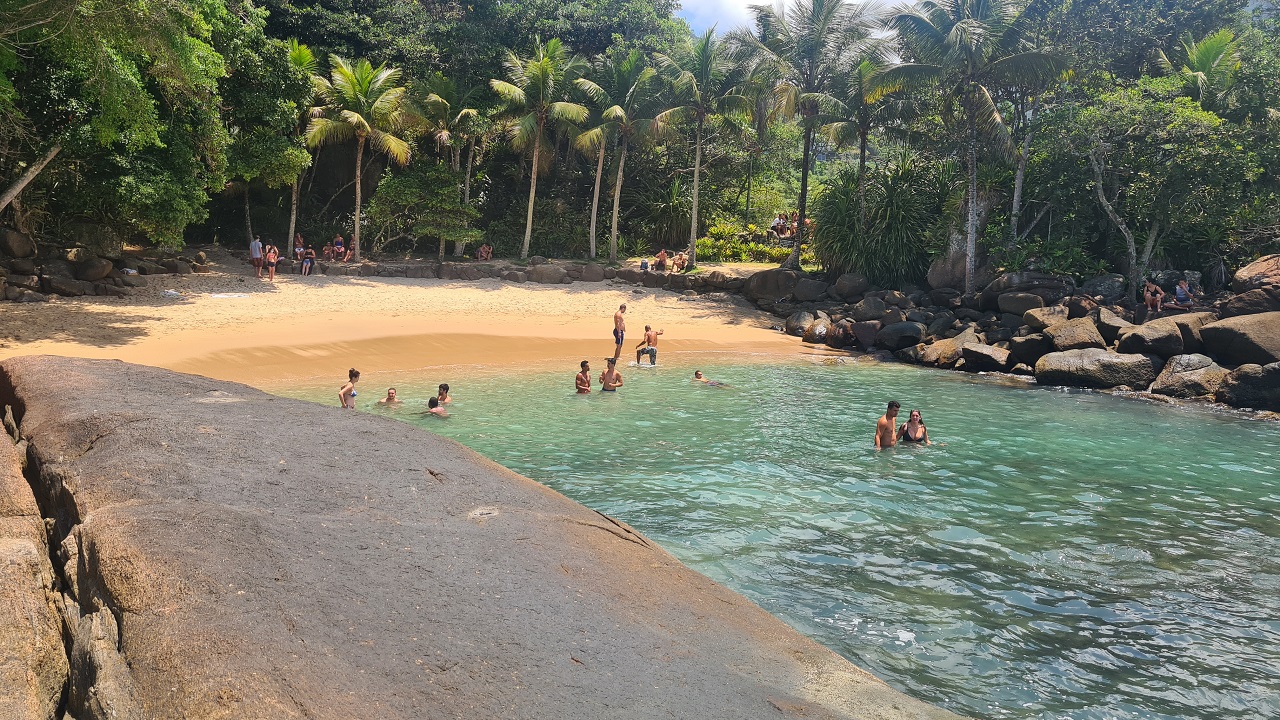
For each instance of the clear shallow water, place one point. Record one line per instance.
(1063, 555)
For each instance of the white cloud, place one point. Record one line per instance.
(724, 14)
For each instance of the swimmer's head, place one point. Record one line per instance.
(391, 392)
(444, 388)
(433, 403)
(611, 361)
(697, 374)
(353, 374)
(915, 416)
(623, 307)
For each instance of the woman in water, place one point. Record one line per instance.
(913, 430)
(347, 393)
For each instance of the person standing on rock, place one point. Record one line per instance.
(649, 345)
(347, 393)
(255, 254)
(610, 379)
(619, 331)
(886, 436)
(583, 380)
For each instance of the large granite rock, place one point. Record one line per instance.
(1160, 337)
(1017, 303)
(1030, 348)
(944, 353)
(772, 284)
(591, 272)
(798, 322)
(411, 578)
(1258, 274)
(548, 274)
(850, 285)
(1109, 287)
(900, 335)
(1252, 386)
(986, 358)
(16, 244)
(869, 309)
(865, 333)
(1258, 300)
(1096, 368)
(1050, 288)
(1110, 325)
(1189, 325)
(1075, 335)
(817, 330)
(1041, 318)
(809, 290)
(1189, 376)
(93, 269)
(1252, 339)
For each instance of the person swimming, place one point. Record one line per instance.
(390, 399)
(699, 377)
(442, 394)
(434, 408)
(913, 430)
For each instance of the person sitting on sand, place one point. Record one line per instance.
(434, 408)
(649, 345)
(442, 394)
(699, 377)
(347, 393)
(610, 379)
(1153, 296)
(582, 382)
(308, 260)
(660, 261)
(1182, 298)
(913, 430)
(390, 399)
(484, 253)
(885, 437)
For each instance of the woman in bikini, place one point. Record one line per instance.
(913, 430)
(347, 393)
(273, 256)
(1154, 296)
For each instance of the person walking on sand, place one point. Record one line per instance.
(347, 393)
(582, 382)
(619, 331)
(273, 256)
(255, 254)
(649, 345)
(610, 379)
(885, 427)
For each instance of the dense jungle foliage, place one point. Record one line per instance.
(1069, 137)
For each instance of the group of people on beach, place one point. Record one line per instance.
(435, 405)
(610, 378)
(678, 262)
(268, 256)
(263, 256)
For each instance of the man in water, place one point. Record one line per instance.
(610, 379)
(886, 427)
(390, 399)
(699, 377)
(619, 330)
(583, 380)
(649, 345)
(435, 408)
(255, 254)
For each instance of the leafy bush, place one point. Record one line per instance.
(419, 205)
(735, 250)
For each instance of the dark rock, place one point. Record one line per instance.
(146, 267)
(899, 335)
(717, 279)
(772, 284)
(1258, 300)
(809, 290)
(817, 331)
(1011, 321)
(66, 287)
(944, 353)
(850, 285)
(947, 271)
(1079, 306)
(110, 290)
(865, 332)
(1050, 288)
(1030, 348)
(910, 354)
(1159, 337)
(16, 244)
(11, 292)
(798, 322)
(1245, 339)
(514, 276)
(592, 272)
(31, 296)
(920, 316)
(1189, 376)
(1000, 334)
(22, 266)
(868, 309)
(547, 274)
(890, 316)
(1017, 303)
(24, 282)
(175, 266)
(134, 281)
(631, 275)
(1110, 287)
(941, 322)
(198, 268)
(1074, 335)
(1110, 325)
(896, 298)
(610, 273)
(537, 260)
(651, 279)
(985, 358)
(1095, 368)
(202, 258)
(1252, 386)
(945, 297)
(1263, 272)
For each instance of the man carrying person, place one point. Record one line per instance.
(583, 380)
(610, 379)
(255, 254)
(886, 427)
(619, 330)
(649, 345)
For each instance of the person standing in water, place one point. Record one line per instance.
(390, 399)
(435, 408)
(619, 331)
(649, 345)
(885, 436)
(610, 379)
(347, 393)
(582, 382)
(442, 394)
(913, 430)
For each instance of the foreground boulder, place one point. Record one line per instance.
(1075, 335)
(850, 285)
(1246, 339)
(1258, 274)
(1252, 386)
(1259, 300)
(547, 274)
(900, 335)
(986, 358)
(1160, 337)
(417, 580)
(16, 244)
(946, 352)
(1189, 376)
(1095, 368)
(772, 284)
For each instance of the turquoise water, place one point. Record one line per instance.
(1061, 555)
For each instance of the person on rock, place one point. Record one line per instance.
(308, 260)
(339, 247)
(1153, 295)
(347, 393)
(660, 261)
(913, 430)
(299, 247)
(885, 426)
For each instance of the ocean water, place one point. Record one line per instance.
(1056, 555)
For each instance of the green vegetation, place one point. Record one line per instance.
(1067, 137)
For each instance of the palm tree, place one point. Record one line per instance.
(1210, 72)
(446, 112)
(704, 81)
(857, 109)
(971, 49)
(625, 94)
(539, 84)
(302, 60)
(805, 47)
(361, 102)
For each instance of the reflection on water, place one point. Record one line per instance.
(1062, 555)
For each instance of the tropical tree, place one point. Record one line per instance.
(971, 49)
(302, 60)
(539, 84)
(857, 108)
(626, 93)
(364, 103)
(704, 81)
(449, 115)
(1212, 66)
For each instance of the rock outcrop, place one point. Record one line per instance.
(1258, 274)
(1075, 334)
(1189, 376)
(1095, 368)
(1252, 386)
(1245, 339)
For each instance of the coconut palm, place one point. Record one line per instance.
(539, 84)
(971, 49)
(1210, 72)
(805, 46)
(858, 107)
(302, 60)
(364, 103)
(447, 113)
(704, 81)
(626, 91)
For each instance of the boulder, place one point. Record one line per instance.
(22, 266)
(514, 276)
(1244, 339)
(1079, 306)
(1258, 300)
(865, 332)
(1050, 288)
(798, 322)
(1030, 348)
(592, 272)
(1110, 325)
(942, 322)
(16, 244)
(896, 298)
(1258, 274)
(1252, 386)
(945, 297)
(772, 284)
(1095, 368)
(1074, 335)
(1010, 321)
(178, 267)
(900, 335)
(24, 282)
(920, 316)
(850, 285)
(1041, 318)
(31, 296)
(547, 274)
(1109, 287)
(1189, 324)
(1189, 376)
(985, 358)
(537, 260)
(868, 309)
(93, 269)
(1160, 337)
(910, 354)
(630, 274)
(1017, 303)
(652, 279)
(947, 271)
(809, 290)
(817, 331)
(890, 316)
(944, 353)
(66, 287)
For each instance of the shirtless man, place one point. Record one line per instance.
(886, 436)
(390, 399)
(610, 379)
(649, 345)
(583, 380)
(619, 330)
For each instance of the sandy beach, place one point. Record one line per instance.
(229, 325)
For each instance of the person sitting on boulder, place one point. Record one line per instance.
(308, 260)
(660, 261)
(327, 251)
(679, 262)
(1153, 296)
(1182, 298)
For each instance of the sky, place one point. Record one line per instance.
(724, 14)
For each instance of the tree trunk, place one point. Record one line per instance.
(693, 224)
(971, 229)
(293, 210)
(533, 189)
(466, 183)
(862, 177)
(1015, 210)
(793, 261)
(751, 171)
(248, 223)
(355, 234)
(617, 194)
(595, 205)
(28, 176)
(1135, 272)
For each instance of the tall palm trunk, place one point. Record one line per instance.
(466, 183)
(617, 195)
(862, 176)
(1019, 178)
(971, 229)
(697, 172)
(248, 223)
(355, 235)
(28, 176)
(793, 261)
(533, 190)
(595, 204)
(293, 211)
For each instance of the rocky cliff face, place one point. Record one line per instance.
(206, 550)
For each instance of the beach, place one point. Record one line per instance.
(229, 325)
